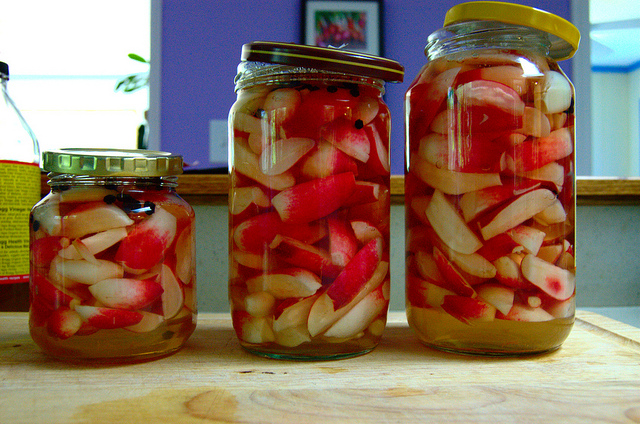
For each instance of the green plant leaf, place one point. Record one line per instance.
(137, 58)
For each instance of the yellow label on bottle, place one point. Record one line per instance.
(19, 191)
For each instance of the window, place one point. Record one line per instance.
(65, 59)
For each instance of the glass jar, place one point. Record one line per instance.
(113, 273)
(19, 191)
(309, 201)
(490, 183)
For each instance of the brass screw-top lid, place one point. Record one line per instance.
(112, 162)
(324, 58)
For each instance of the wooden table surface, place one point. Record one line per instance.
(594, 377)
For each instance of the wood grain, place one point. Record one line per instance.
(594, 377)
(213, 188)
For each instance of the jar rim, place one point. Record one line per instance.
(564, 36)
(323, 58)
(112, 162)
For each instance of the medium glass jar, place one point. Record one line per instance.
(309, 201)
(112, 273)
(490, 183)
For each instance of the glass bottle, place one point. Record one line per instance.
(19, 191)
(112, 257)
(309, 201)
(490, 183)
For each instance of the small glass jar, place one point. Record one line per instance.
(112, 273)
(309, 201)
(490, 183)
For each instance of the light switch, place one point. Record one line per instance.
(218, 142)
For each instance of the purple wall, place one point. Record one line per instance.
(201, 42)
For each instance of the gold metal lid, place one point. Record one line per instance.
(112, 162)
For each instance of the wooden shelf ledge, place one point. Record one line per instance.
(207, 188)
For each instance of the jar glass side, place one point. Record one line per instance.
(490, 196)
(112, 268)
(309, 215)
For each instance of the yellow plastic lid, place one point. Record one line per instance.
(112, 162)
(564, 36)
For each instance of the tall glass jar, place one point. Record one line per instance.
(112, 257)
(19, 191)
(490, 183)
(309, 201)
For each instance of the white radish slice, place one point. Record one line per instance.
(185, 255)
(86, 272)
(292, 336)
(452, 182)
(281, 155)
(247, 163)
(47, 214)
(149, 322)
(259, 304)
(555, 281)
(172, 296)
(293, 315)
(243, 197)
(94, 244)
(556, 94)
(91, 218)
(449, 225)
(293, 282)
(360, 316)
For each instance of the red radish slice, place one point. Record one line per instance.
(349, 137)
(299, 254)
(126, 293)
(324, 312)
(108, 318)
(147, 243)
(452, 278)
(63, 323)
(314, 199)
(534, 154)
(342, 242)
(467, 309)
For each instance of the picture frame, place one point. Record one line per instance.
(354, 25)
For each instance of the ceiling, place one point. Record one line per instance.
(615, 34)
